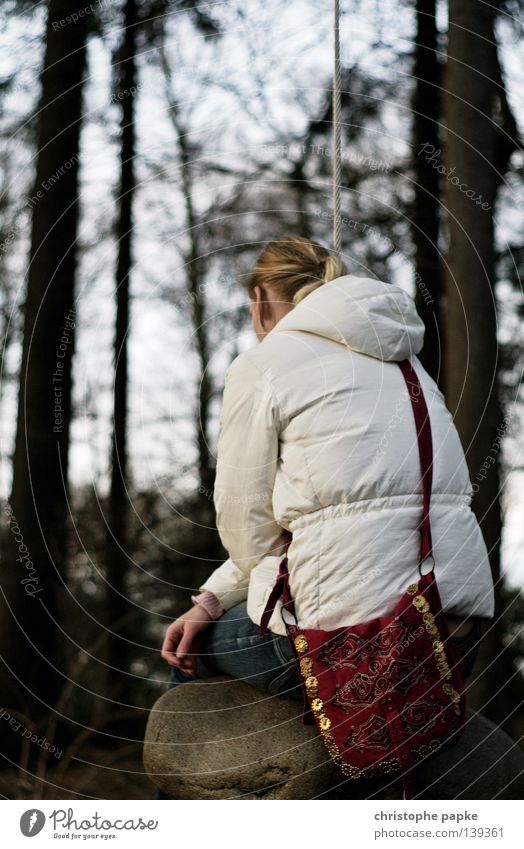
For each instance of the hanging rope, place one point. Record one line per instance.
(336, 128)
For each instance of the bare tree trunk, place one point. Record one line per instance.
(425, 210)
(35, 544)
(197, 298)
(118, 608)
(475, 161)
(300, 185)
(206, 469)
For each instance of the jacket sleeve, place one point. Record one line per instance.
(247, 457)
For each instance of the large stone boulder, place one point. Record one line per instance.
(220, 738)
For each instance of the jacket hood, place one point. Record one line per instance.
(375, 318)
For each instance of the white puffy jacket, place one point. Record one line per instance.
(318, 436)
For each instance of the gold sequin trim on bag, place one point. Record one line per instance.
(454, 696)
(311, 685)
(421, 604)
(306, 665)
(301, 644)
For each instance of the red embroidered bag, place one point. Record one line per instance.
(386, 693)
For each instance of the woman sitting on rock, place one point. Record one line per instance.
(318, 437)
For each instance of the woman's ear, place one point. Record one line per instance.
(262, 305)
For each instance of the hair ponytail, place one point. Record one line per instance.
(293, 267)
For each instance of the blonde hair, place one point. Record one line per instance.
(293, 267)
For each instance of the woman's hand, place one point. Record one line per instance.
(183, 638)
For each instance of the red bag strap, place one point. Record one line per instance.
(280, 589)
(425, 449)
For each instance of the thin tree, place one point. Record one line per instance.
(195, 276)
(426, 103)
(118, 607)
(35, 542)
(480, 137)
